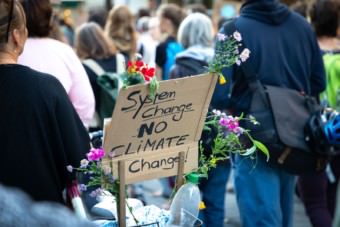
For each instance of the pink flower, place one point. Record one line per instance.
(231, 123)
(95, 154)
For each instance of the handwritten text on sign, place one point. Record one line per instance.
(142, 126)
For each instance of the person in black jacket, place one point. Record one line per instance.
(41, 133)
(195, 35)
(284, 52)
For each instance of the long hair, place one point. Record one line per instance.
(92, 43)
(120, 28)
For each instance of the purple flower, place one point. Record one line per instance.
(82, 187)
(231, 123)
(221, 37)
(96, 192)
(95, 154)
(69, 168)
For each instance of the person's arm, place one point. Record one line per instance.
(68, 137)
(80, 94)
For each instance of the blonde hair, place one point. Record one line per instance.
(92, 43)
(120, 28)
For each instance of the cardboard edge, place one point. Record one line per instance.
(206, 105)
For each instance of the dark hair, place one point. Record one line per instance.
(198, 8)
(98, 15)
(173, 13)
(300, 7)
(38, 14)
(143, 13)
(92, 43)
(10, 20)
(325, 17)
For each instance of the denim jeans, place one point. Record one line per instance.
(213, 194)
(264, 193)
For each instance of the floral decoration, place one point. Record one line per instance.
(227, 53)
(100, 176)
(222, 136)
(140, 73)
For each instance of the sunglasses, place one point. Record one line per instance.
(10, 16)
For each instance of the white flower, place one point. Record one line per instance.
(84, 163)
(245, 54)
(69, 168)
(237, 36)
(238, 62)
(107, 170)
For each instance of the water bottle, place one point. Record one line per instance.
(185, 205)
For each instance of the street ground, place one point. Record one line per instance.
(231, 212)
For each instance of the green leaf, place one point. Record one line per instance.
(262, 148)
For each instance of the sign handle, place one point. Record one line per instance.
(180, 172)
(122, 201)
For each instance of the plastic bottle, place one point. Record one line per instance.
(185, 205)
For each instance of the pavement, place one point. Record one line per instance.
(232, 217)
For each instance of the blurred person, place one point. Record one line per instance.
(98, 15)
(143, 12)
(67, 29)
(318, 191)
(284, 53)
(40, 133)
(97, 51)
(195, 34)
(300, 7)
(52, 56)
(170, 17)
(197, 8)
(55, 32)
(18, 210)
(154, 30)
(146, 44)
(121, 30)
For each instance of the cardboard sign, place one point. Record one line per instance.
(145, 131)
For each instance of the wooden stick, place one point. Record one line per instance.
(180, 173)
(122, 209)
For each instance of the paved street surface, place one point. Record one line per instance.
(232, 214)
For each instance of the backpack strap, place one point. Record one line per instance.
(120, 61)
(94, 66)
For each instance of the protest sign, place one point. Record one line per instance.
(148, 133)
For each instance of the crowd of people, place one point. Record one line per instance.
(50, 99)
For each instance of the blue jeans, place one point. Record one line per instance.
(213, 194)
(264, 193)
